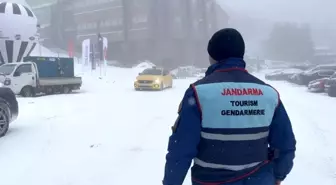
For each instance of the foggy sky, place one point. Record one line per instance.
(16, 1)
(312, 11)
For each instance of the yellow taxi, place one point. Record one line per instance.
(153, 79)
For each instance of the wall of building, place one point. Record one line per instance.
(158, 30)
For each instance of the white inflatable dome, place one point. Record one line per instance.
(17, 21)
(18, 31)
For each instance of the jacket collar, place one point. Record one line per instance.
(226, 65)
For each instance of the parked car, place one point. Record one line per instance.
(185, 72)
(313, 74)
(283, 74)
(317, 85)
(153, 79)
(303, 66)
(330, 86)
(322, 67)
(9, 109)
(293, 78)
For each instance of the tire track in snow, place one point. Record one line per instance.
(323, 154)
(146, 161)
(32, 154)
(145, 157)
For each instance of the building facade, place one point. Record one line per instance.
(162, 31)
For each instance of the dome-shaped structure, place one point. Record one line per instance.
(18, 31)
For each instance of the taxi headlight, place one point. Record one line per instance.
(157, 81)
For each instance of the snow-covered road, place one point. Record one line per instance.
(314, 125)
(109, 134)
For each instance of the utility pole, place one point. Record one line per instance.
(214, 18)
(204, 18)
(189, 35)
(127, 18)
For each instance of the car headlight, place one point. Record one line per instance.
(157, 81)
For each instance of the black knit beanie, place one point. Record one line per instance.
(226, 43)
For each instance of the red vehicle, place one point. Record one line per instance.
(317, 85)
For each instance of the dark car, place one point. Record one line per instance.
(303, 66)
(318, 85)
(9, 109)
(330, 86)
(183, 73)
(282, 74)
(321, 71)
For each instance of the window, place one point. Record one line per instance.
(83, 27)
(152, 72)
(120, 21)
(24, 68)
(326, 67)
(333, 67)
(165, 72)
(69, 29)
(333, 76)
(88, 26)
(139, 19)
(7, 69)
(104, 24)
(109, 23)
(326, 73)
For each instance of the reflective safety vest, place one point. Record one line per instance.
(235, 125)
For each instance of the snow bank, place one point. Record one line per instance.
(40, 50)
(144, 65)
(114, 63)
(136, 69)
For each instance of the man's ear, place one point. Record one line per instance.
(211, 60)
(179, 108)
(176, 124)
(174, 127)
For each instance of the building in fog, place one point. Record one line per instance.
(42, 10)
(164, 31)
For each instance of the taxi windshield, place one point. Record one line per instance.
(151, 72)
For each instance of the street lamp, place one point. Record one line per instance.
(38, 28)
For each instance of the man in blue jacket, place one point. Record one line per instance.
(231, 124)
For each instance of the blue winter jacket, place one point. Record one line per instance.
(185, 141)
